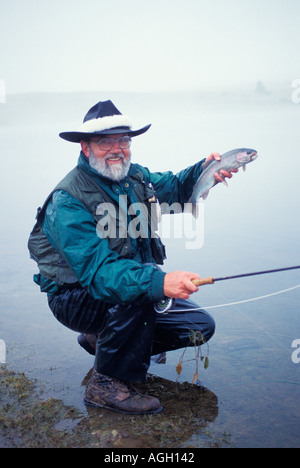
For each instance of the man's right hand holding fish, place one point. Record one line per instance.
(220, 177)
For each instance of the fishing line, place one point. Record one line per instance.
(256, 325)
(237, 302)
(166, 303)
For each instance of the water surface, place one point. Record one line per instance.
(252, 225)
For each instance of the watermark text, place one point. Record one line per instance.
(296, 353)
(296, 92)
(145, 220)
(2, 92)
(2, 352)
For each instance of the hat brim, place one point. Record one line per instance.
(76, 137)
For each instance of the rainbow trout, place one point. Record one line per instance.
(231, 160)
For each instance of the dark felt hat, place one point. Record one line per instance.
(103, 119)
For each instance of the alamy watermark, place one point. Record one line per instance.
(2, 352)
(144, 220)
(296, 93)
(296, 353)
(2, 92)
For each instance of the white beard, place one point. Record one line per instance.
(116, 172)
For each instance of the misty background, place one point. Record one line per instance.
(168, 45)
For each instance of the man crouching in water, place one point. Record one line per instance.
(103, 283)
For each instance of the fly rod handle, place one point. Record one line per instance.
(202, 281)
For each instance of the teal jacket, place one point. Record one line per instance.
(71, 229)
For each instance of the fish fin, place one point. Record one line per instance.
(225, 183)
(205, 195)
(244, 167)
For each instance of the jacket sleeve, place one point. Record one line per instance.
(175, 188)
(71, 229)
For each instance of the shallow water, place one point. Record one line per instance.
(252, 225)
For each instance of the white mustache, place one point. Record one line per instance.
(112, 156)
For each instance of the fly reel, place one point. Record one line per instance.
(164, 305)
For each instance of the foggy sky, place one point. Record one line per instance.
(138, 45)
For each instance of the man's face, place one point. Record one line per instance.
(114, 162)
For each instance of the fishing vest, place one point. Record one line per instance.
(85, 189)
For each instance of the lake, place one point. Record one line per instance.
(254, 224)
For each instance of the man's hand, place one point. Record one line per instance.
(220, 177)
(179, 285)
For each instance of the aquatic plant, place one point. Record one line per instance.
(197, 340)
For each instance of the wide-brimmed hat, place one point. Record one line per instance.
(103, 119)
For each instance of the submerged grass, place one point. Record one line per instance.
(26, 420)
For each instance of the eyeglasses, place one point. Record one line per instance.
(106, 144)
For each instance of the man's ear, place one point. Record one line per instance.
(85, 148)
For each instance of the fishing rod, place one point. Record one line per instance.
(211, 280)
(165, 304)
